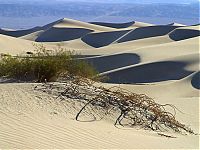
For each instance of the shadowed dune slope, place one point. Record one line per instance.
(147, 32)
(115, 25)
(19, 33)
(195, 81)
(149, 73)
(182, 34)
(62, 34)
(123, 25)
(110, 62)
(150, 49)
(103, 38)
(169, 89)
(170, 69)
(34, 35)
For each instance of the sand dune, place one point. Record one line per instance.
(182, 34)
(142, 24)
(62, 34)
(168, 91)
(78, 45)
(114, 61)
(32, 36)
(115, 25)
(195, 80)
(106, 38)
(103, 38)
(67, 29)
(64, 30)
(174, 69)
(43, 123)
(18, 46)
(19, 33)
(141, 37)
(176, 24)
(159, 61)
(146, 32)
(15, 46)
(150, 49)
(167, 50)
(122, 25)
(127, 46)
(149, 73)
(67, 23)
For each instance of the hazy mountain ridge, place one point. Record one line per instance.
(162, 10)
(93, 11)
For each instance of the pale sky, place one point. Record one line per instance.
(142, 1)
(116, 1)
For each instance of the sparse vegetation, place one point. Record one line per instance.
(133, 110)
(45, 65)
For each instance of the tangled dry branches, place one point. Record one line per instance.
(134, 110)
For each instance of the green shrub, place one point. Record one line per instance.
(45, 65)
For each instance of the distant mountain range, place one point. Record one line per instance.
(182, 13)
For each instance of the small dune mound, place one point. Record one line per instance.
(70, 23)
(32, 36)
(103, 38)
(122, 25)
(142, 24)
(110, 62)
(14, 46)
(62, 34)
(114, 25)
(149, 73)
(147, 32)
(196, 80)
(176, 24)
(182, 34)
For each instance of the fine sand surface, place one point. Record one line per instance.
(161, 61)
(35, 120)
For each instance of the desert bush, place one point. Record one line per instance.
(128, 109)
(45, 65)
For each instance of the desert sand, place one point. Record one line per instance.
(159, 61)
